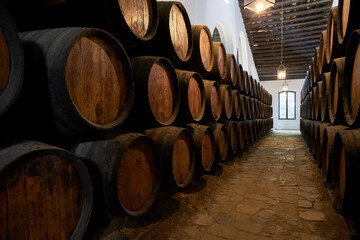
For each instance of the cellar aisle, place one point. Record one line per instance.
(271, 191)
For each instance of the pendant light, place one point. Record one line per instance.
(281, 72)
(258, 5)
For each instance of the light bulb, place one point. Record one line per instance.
(259, 7)
(281, 75)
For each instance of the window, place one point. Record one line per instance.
(287, 106)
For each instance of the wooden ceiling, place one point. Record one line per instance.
(304, 20)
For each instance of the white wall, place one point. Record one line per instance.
(213, 12)
(273, 87)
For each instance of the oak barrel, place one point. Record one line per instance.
(351, 100)
(221, 140)
(87, 88)
(319, 141)
(348, 19)
(334, 49)
(11, 61)
(218, 71)
(235, 96)
(176, 149)
(157, 95)
(323, 65)
(213, 101)
(126, 173)
(325, 98)
(230, 77)
(226, 101)
(204, 144)
(45, 193)
(241, 134)
(233, 136)
(192, 92)
(244, 107)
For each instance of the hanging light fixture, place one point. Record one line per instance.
(281, 72)
(258, 5)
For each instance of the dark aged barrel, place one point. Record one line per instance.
(204, 144)
(87, 88)
(314, 129)
(45, 193)
(245, 83)
(317, 101)
(176, 149)
(244, 106)
(325, 101)
(192, 104)
(230, 77)
(218, 71)
(255, 89)
(233, 136)
(334, 49)
(348, 19)
(241, 135)
(221, 140)
(351, 99)
(319, 141)
(250, 131)
(323, 66)
(202, 57)
(336, 112)
(239, 76)
(316, 72)
(213, 101)
(327, 150)
(11, 61)
(157, 95)
(226, 101)
(126, 173)
(252, 86)
(346, 168)
(235, 97)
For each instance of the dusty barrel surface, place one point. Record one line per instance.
(176, 151)
(218, 71)
(221, 140)
(89, 84)
(202, 57)
(213, 100)
(204, 144)
(347, 20)
(44, 190)
(11, 61)
(336, 112)
(126, 173)
(157, 95)
(226, 101)
(351, 87)
(346, 172)
(192, 91)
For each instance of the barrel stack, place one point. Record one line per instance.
(330, 106)
(136, 101)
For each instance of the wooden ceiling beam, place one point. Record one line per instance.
(285, 49)
(311, 29)
(309, 20)
(265, 42)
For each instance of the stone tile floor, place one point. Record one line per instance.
(270, 191)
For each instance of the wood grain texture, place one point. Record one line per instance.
(181, 158)
(207, 146)
(345, 16)
(221, 60)
(206, 49)
(39, 196)
(236, 102)
(179, 32)
(137, 15)
(215, 101)
(355, 84)
(136, 175)
(194, 98)
(4, 62)
(161, 92)
(96, 79)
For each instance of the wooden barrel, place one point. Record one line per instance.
(202, 57)
(252, 86)
(250, 108)
(204, 144)
(316, 99)
(226, 101)
(346, 168)
(233, 136)
(11, 61)
(173, 38)
(327, 150)
(250, 126)
(316, 72)
(334, 48)
(325, 96)
(231, 71)
(80, 97)
(126, 173)
(336, 112)
(244, 107)
(323, 65)
(212, 101)
(236, 102)
(157, 95)
(221, 140)
(218, 71)
(347, 20)
(319, 141)
(45, 193)
(351, 85)
(192, 92)
(245, 83)
(241, 135)
(255, 89)
(176, 149)
(314, 129)
(239, 76)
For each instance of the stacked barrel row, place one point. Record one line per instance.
(141, 96)
(330, 106)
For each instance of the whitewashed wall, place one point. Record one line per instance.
(227, 14)
(274, 87)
